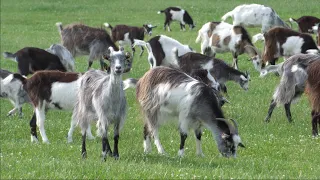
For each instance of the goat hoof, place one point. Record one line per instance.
(84, 155)
(116, 157)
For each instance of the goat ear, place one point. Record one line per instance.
(128, 55)
(241, 145)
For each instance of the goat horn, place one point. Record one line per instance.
(254, 48)
(232, 127)
(235, 125)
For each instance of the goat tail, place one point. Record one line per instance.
(292, 20)
(9, 55)
(161, 11)
(198, 37)
(20, 77)
(175, 54)
(59, 25)
(138, 42)
(228, 14)
(257, 37)
(130, 83)
(108, 25)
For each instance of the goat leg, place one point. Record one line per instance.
(288, 112)
(314, 121)
(273, 104)
(33, 128)
(198, 134)
(183, 137)
(105, 147)
(116, 140)
(84, 151)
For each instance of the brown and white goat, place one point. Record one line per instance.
(32, 59)
(305, 23)
(125, 34)
(166, 92)
(285, 42)
(220, 37)
(50, 90)
(80, 39)
(313, 92)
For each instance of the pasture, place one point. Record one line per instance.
(274, 150)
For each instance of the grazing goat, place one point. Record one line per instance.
(313, 92)
(126, 34)
(160, 50)
(220, 37)
(216, 68)
(285, 42)
(80, 39)
(31, 59)
(165, 93)
(177, 14)
(101, 97)
(292, 84)
(13, 90)
(252, 15)
(305, 23)
(50, 90)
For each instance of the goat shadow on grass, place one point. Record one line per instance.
(174, 160)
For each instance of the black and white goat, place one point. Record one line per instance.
(160, 50)
(313, 92)
(31, 59)
(80, 39)
(12, 89)
(220, 37)
(50, 90)
(285, 42)
(101, 97)
(255, 15)
(166, 92)
(177, 14)
(125, 34)
(305, 23)
(292, 84)
(217, 69)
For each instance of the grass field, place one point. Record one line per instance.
(274, 150)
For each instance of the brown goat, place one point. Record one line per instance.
(305, 23)
(80, 39)
(313, 92)
(285, 42)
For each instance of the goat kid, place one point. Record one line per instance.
(12, 89)
(101, 97)
(165, 93)
(177, 14)
(285, 42)
(313, 92)
(292, 84)
(253, 15)
(126, 34)
(160, 50)
(217, 70)
(220, 37)
(80, 40)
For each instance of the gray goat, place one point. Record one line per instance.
(166, 93)
(101, 97)
(80, 39)
(293, 74)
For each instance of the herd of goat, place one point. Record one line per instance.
(181, 83)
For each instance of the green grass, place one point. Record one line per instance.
(274, 150)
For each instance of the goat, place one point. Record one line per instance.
(80, 39)
(32, 59)
(177, 14)
(50, 90)
(126, 34)
(313, 92)
(220, 37)
(285, 42)
(160, 50)
(165, 93)
(13, 90)
(255, 15)
(216, 68)
(305, 23)
(101, 97)
(292, 84)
